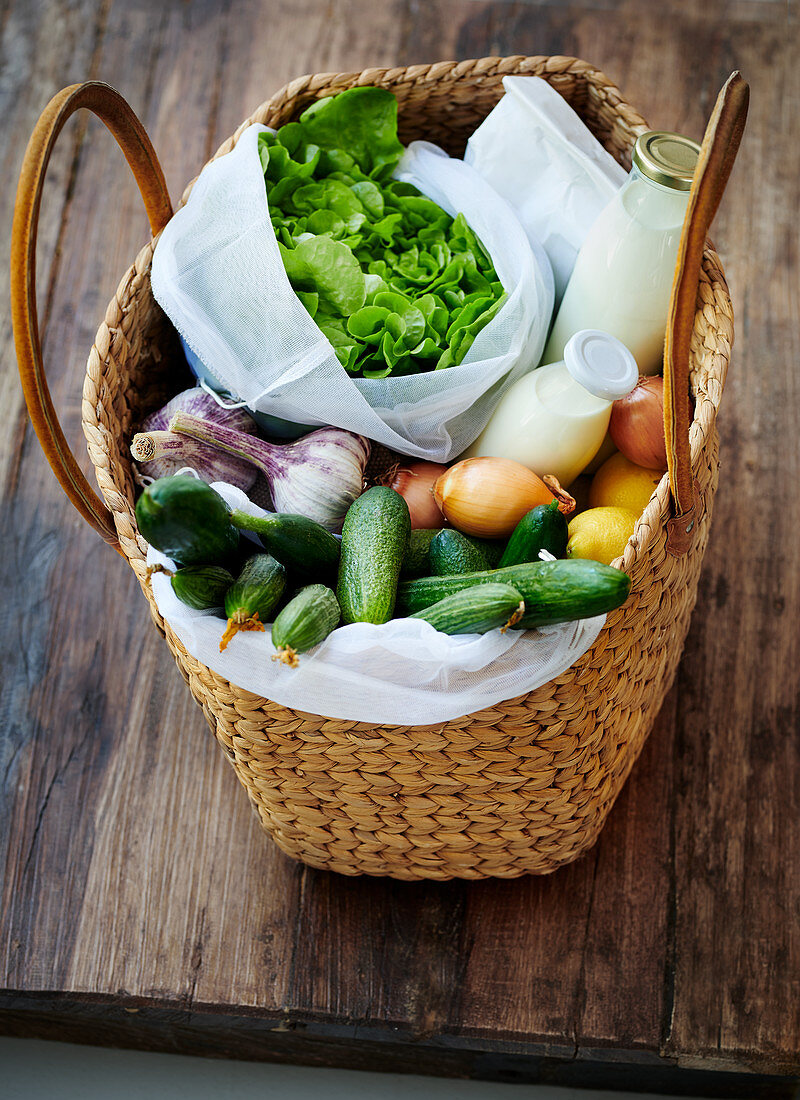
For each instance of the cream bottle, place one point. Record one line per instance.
(622, 279)
(554, 419)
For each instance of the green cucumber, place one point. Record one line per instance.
(306, 621)
(475, 610)
(202, 587)
(374, 540)
(253, 596)
(187, 520)
(553, 591)
(451, 552)
(543, 528)
(416, 562)
(296, 541)
(492, 548)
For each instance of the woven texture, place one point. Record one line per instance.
(525, 786)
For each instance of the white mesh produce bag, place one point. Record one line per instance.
(218, 275)
(402, 673)
(535, 151)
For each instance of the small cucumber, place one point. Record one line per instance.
(553, 591)
(492, 548)
(451, 553)
(296, 541)
(374, 540)
(475, 610)
(202, 587)
(253, 595)
(187, 520)
(416, 562)
(306, 621)
(543, 528)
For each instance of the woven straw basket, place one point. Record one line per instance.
(523, 787)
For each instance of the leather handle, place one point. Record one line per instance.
(717, 154)
(112, 109)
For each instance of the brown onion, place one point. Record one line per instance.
(488, 496)
(414, 483)
(637, 424)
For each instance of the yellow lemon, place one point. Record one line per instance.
(600, 534)
(620, 483)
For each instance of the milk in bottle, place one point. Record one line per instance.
(554, 419)
(622, 279)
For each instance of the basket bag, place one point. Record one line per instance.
(525, 786)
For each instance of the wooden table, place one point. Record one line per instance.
(142, 906)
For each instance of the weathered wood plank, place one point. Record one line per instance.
(41, 49)
(184, 907)
(40, 55)
(736, 967)
(738, 791)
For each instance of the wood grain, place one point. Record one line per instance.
(135, 876)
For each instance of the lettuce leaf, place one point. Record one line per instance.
(395, 283)
(362, 122)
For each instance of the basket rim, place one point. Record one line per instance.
(312, 86)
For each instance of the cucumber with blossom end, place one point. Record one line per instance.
(475, 610)
(553, 591)
(306, 620)
(253, 596)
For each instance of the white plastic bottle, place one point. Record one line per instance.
(622, 279)
(554, 419)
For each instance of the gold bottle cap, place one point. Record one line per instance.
(666, 158)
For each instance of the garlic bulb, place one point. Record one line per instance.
(319, 475)
(160, 453)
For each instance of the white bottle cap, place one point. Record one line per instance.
(601, 363)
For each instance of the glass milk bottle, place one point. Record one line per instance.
(622, 279)
(554, 419)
